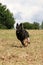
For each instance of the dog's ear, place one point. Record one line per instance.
(21, 25)
(16, 25)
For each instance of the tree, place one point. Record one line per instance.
(36, 25)
(6, 18)
(42, 25)
(28, 25)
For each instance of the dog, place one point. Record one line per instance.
(22, 35)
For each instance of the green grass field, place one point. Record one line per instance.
(13, 53)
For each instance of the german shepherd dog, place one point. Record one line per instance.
(22, 35)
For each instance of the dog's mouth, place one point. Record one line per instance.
(18, 32)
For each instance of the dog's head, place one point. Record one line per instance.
(19, 26)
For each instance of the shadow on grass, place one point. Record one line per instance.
(16, 46)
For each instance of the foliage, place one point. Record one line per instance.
(34, 25)
(2, 26)
(6, 17)
(27, 25)
(42, 25)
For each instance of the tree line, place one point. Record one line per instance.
(34, 25)
(7, 20)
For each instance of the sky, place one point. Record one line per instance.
(25, 10)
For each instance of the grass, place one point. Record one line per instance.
(13, 53)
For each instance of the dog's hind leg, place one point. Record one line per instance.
(28, 40)
(24, 43)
